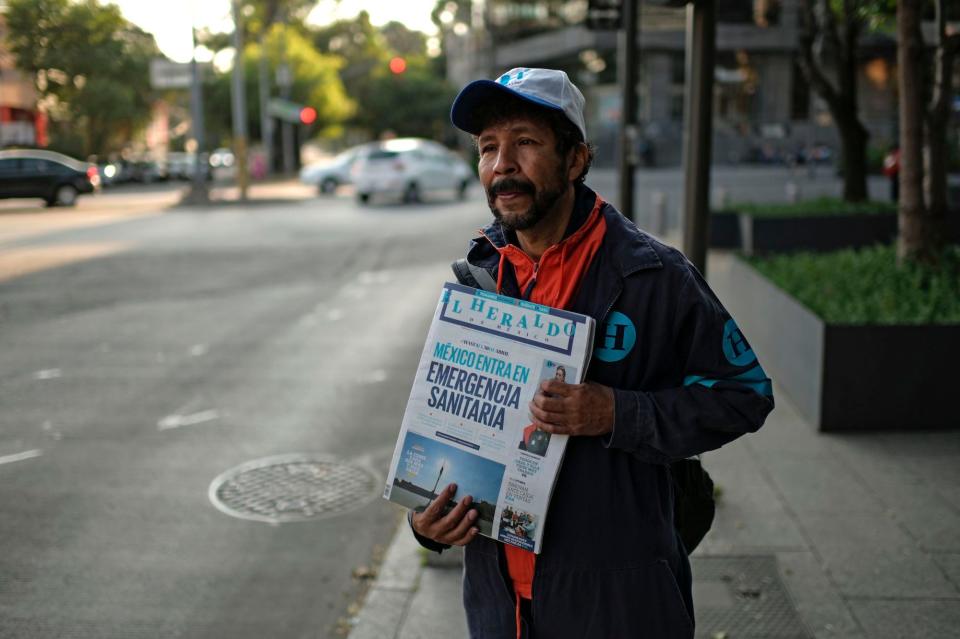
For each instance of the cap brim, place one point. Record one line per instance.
(466, 107)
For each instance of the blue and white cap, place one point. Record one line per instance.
(546, 87)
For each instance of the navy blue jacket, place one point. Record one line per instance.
(685, 381)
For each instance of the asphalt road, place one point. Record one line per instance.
(145, 352)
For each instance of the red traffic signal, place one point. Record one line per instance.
(308, 115)
(398, 65)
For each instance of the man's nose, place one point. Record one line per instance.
(506, 161)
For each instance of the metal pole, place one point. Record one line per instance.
(239, 104)
(698, 130)
(266, 122)
(285, 80)
(198, 187)
(628, 129)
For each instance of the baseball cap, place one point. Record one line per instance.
(545, 87)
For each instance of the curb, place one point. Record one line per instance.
(386, 605)
(416, 594)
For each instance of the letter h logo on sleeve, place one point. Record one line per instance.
(616, 338)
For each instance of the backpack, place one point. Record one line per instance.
(694, 503)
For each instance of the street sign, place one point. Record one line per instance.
(604, 15)
(167, 74)
(286, 110)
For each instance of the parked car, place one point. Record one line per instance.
(410, 168)
(55, 177)
(329, 174)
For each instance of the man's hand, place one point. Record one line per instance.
(573, 409)
(455, 528)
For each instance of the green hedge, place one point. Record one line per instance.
(867, 287)
(816, 207)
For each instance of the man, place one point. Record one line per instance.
(671, 377)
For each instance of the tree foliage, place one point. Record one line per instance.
(91, 68)
(315, 76)
(412, 103)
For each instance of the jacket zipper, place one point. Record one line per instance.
(533, 282)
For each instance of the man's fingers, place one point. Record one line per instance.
(464, 525)
(466, 538)
(552, 404)
(545, 416)
(435, 509)
(452, 519)
(556, 387)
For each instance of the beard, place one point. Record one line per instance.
(544, 201)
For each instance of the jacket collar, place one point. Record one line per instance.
(630, 248)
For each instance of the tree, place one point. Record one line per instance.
(315, 82)
(415, 102)
(923, 128)
(91, 67)
(832, 29)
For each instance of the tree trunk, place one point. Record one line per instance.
(820, 25)
(938, 114)
(853, 138)
(913, 240)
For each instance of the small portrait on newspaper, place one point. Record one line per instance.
(534, 440)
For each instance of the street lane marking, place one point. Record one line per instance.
(48, 373)
(27, 454)
(17, 262)
(176, 421)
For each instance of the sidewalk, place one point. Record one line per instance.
(855, 536)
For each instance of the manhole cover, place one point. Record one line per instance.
(743, 598)
(292, 488)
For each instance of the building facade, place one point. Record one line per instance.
(22, 124)
(764, 110)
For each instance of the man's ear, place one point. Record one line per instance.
(576, 161)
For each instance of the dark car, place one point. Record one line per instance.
(54, 177)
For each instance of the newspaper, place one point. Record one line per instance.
(468, 420)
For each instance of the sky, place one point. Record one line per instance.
(476, 475)
(169, 21)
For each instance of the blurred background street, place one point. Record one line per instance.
(224, 225)
(157, 349)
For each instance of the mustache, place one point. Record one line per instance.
(510, 184)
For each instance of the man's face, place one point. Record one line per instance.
(521, 171)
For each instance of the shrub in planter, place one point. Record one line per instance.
(855, 341)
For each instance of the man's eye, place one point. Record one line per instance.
(486, 148)
(525, 141)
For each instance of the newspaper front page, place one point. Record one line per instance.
(468, 421)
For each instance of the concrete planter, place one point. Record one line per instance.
(815, 233)
(757, 234)
(724, 230)
(846, 377)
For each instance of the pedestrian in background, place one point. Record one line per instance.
(891, 169)
(671, 376)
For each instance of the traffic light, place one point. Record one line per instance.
(397, 65)
(308, 115)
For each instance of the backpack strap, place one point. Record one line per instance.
(473, 276)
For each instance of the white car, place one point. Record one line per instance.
(329, 174)
(410, 168)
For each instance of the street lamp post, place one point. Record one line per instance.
(239, 103)
(698, 129)
(198, 187)
(628, 131)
